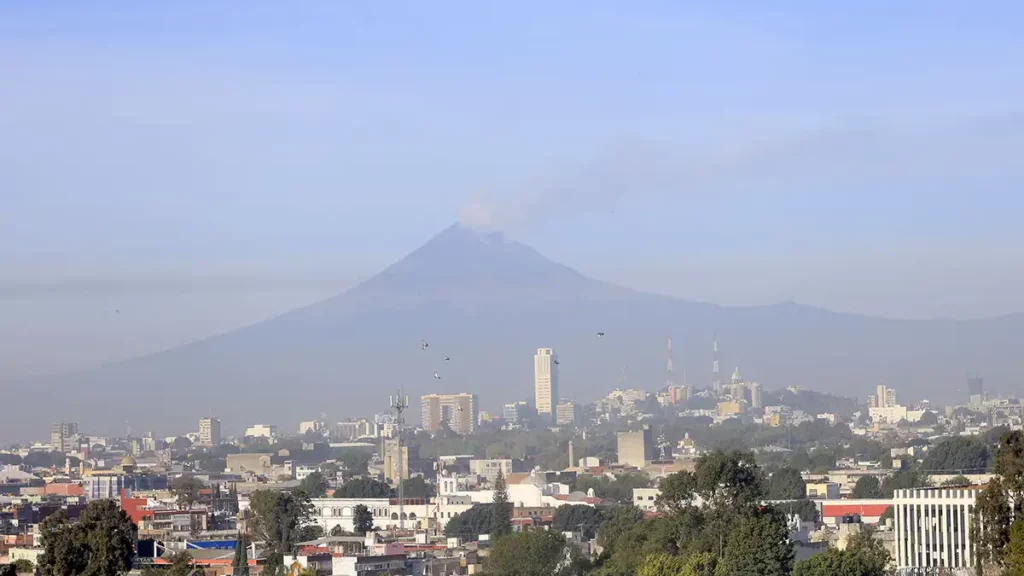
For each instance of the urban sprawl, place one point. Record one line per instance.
(722, 477)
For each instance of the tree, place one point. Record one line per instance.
(620, 520)
(662, 565)
(758, 545)
(417, 488)
(469, 525)
(786, 484)
(912, 477)
(958, 480)
(928, 419)
(364, 488)
(1010, 466)
(676, 491)
(958, 454)
(102, 542)
(863, 556)
(23, 566)
(186, 489)
(529, 553)
(867, 487)
(181, 565)
(240, 563)
(1014, 558)
(314, 485)
(730, 479)
(501, 521)
(363, 519)
(282, 519)
(990, 527)
(577, 518)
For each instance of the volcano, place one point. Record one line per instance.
(488, 303)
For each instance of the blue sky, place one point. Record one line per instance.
(205, 166)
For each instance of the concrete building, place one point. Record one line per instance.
(823, 490)
(645, 498)
(567, 413)
(636, 448)
(250, 463)
(354, 429)
(515, 413)
(209, 432)
(890, 414)
(62, 436)
(882, 398)
(489, 468)
(396, 463)
(730, 408)
(458, 410)
(261, 431)
(545, 383)
(755, 395)
(933, 528)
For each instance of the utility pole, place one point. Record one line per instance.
(399, 402)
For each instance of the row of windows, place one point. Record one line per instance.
(347, 512)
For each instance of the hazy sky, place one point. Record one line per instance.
(200, 166)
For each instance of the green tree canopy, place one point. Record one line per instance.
(867, 487)
(863, 556)
(362, 519)
(786, 484)
(314, 485)
(417, 488)
(958, 480)
(469, 525)
(282, 519)
(577, 518)
(1014, 557)
(758, 545)
(186, 489)
(501, 520)
(102, 542)
(958, 454)
(364, 488)
(529, 553)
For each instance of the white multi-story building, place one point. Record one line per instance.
(545, 382)
(933, 528)
(261, 431)
(209, 432)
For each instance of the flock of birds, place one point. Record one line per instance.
(424, 345)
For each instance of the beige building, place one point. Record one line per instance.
(489, 468)
(458, 410)
(545, 382)
(567, 413)
(209, 432)
(396, 465)
(731, 408)
(636, 448)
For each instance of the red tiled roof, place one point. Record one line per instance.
(839, 510)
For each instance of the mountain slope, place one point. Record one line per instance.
(488, 304)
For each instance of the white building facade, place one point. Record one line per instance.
(933, 529)
(545, 382)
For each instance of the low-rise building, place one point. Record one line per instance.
(933, 528)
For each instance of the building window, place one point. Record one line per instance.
(394, 516)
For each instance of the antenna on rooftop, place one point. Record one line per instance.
(399, 402)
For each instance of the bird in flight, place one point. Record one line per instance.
(118, 311)
(600, 334)
(436, 375)
(557, 362)
(424, 345)
(447, 359)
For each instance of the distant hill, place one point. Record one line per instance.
(488, 303)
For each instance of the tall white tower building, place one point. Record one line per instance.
(545, 382)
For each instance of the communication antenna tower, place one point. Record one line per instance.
(399, 402)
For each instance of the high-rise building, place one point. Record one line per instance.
(636, 448)
(514, 414)
(545, 383)
(975, 386)
(62, 436)
(353, 429)
(209, 432)
(567, 413)
(884, 396)
(755, 394)
(679, 394)
(458, 410)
